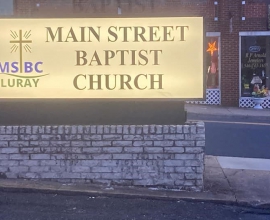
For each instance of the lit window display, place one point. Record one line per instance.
(255, 57)
(212, 63)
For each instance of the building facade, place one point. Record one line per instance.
(237, 36)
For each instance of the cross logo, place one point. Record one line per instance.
(20, 41)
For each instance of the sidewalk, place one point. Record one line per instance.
(200, 112)
(249, 184)
(229, 186)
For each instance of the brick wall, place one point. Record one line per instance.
(109, 8)
(256, 16)
(229, 51)
(167, 156)
(255, 10)
(22, 8)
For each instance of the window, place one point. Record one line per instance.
(212, 62)
(255, 58)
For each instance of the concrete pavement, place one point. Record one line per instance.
(243, 180)
(200, 112)
(227, 180)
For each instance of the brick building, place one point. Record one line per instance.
(236, 30)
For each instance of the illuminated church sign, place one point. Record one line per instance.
(102, 58)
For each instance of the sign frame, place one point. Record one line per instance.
(123, 99)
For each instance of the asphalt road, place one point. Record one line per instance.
(238, 140)
(237, 137)
(27, 206)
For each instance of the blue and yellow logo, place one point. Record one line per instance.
(23, 73)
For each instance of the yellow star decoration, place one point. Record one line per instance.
(212, 48)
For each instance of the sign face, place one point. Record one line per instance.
(98, 58)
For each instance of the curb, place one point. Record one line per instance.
(115, 195)
(200, 116)
(134, 193)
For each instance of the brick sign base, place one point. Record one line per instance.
(170, 156)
